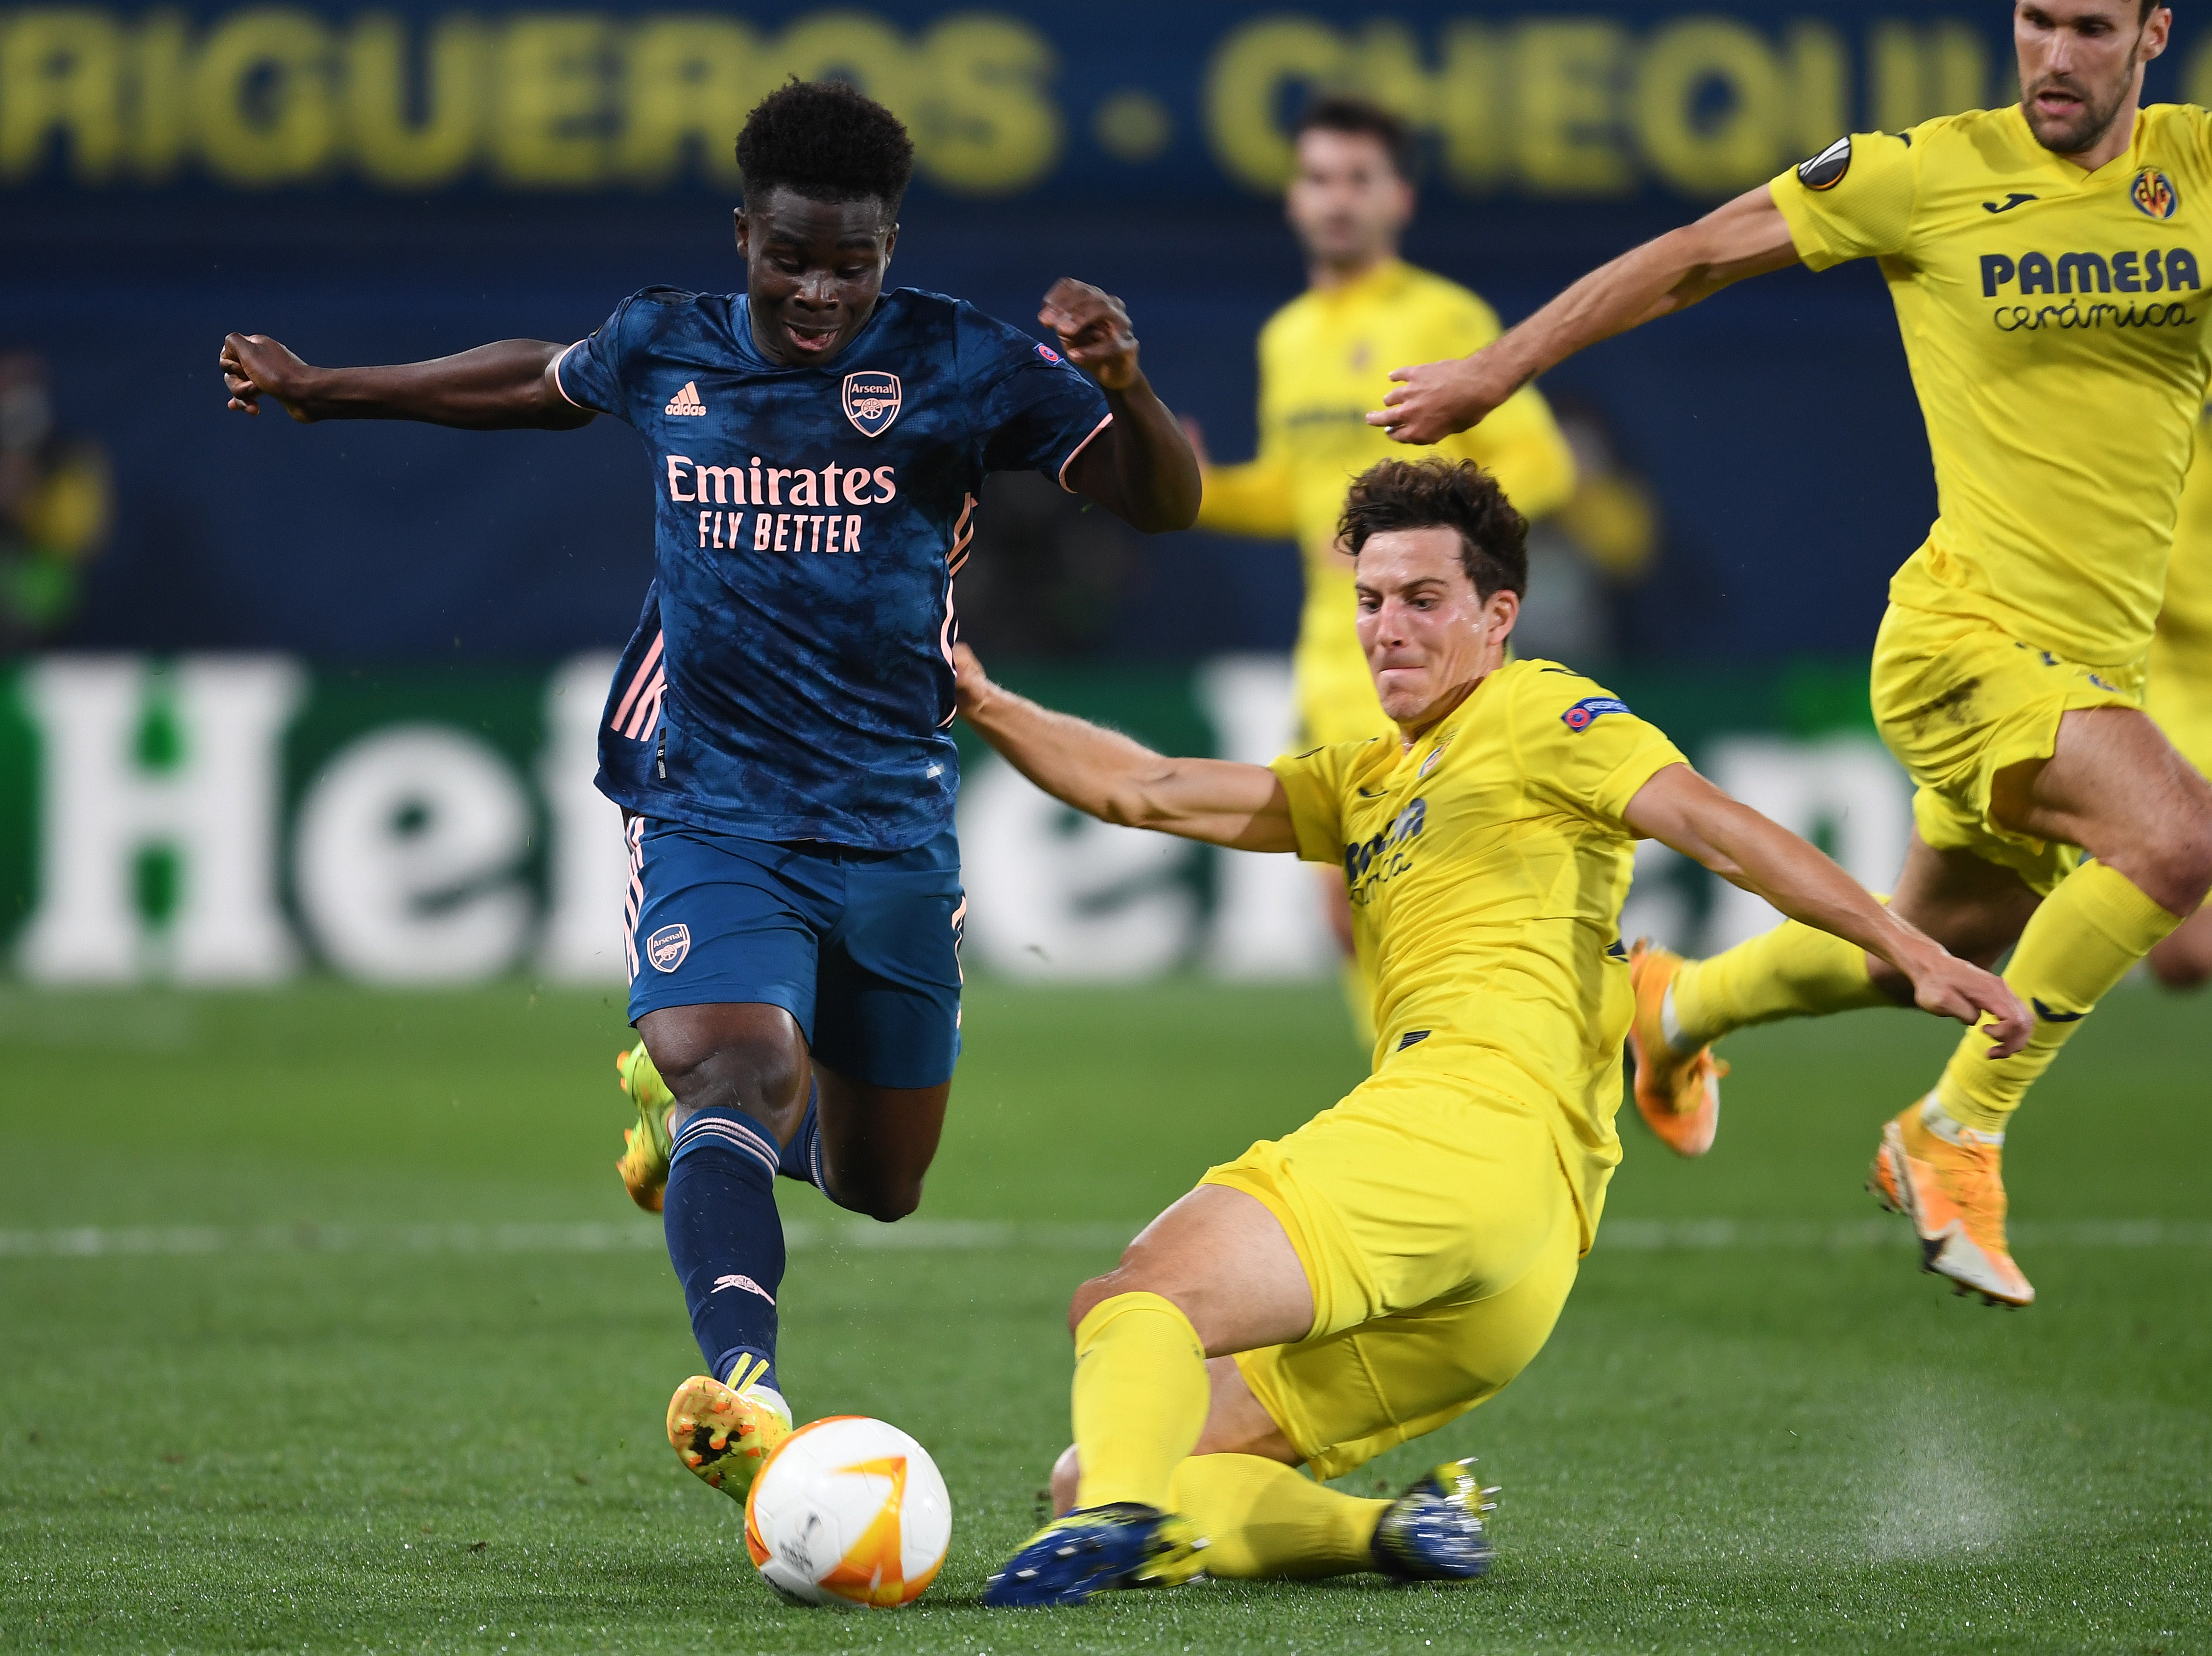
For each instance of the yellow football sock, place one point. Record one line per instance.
(1359, 1001)
(1794, 970)
(2087, 936)
(1267, 1521)
(1140, 1398)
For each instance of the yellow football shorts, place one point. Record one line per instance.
(2180, 699)
(1958, 701)
(1440, 1236)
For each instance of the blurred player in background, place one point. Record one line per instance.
(2046, 262)
(1401, 1257)
(1323, 358)
(776, 734)
(2179, 696)
(56, 502)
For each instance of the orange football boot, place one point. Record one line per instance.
(1952, 1190)
(726, 1433)
(1677, 1093)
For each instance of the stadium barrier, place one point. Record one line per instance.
(243, 819)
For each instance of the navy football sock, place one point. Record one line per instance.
(725, 1239)
(802, 1157)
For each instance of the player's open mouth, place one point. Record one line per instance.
(811, 342)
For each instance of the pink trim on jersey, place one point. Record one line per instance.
(645, 674)
(944, 643)
(648, 709)
(562, 389)
(963, 535)
(1078, 448)
(633, 899)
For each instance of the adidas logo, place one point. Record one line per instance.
(687, 401)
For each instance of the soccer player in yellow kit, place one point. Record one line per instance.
(1358, 1282)
(2047, 261)
(1322, 362)
(2181, 694)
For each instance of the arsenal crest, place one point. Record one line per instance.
(872, 402)
(667, 948)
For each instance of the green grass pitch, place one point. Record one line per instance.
(324, 1325)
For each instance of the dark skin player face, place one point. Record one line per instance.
(813, 272)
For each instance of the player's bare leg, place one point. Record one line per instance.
(742, 1081)
(2116, 788)
(2184, 961)
(1264, 1520)
(1214, 1275)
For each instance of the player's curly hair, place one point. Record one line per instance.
(1441, 494)
(825, 141)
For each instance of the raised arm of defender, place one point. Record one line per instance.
(1748, 236)
(1108, 776)
(1104, 774)
(1681, 810)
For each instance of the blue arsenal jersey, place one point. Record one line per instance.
(791, 677)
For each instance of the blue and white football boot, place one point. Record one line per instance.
(1094, 1548)
(1435, 1532)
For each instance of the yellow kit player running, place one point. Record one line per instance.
(1323, 359)
(2047, 263)
(1330, 1295)
(2181, 694)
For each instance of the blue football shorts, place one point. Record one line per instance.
(861, 948)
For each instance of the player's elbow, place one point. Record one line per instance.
(1129, 803)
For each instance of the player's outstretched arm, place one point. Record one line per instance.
(1680, 808)
(497, 388)
(1103, 774)
(1140, 468)
(1748, 236)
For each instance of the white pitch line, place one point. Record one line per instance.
(992, 1236)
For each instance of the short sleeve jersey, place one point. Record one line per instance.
(1486, 866)
(791, 677)
(2054, 320)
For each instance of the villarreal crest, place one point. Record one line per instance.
(872, 402)
(2153, 194)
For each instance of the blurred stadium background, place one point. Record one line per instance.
(244, 655)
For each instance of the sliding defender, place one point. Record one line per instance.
(1328, 1295)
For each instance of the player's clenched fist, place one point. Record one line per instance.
(1094, 331)
(1437, 398)
(255, 366)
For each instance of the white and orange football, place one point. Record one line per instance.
(848, 1511)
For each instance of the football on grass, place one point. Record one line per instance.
(848, 1511)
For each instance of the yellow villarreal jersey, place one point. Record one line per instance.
(2185, 625)
(1325, 360)
(1486, 865)
(2054, 322)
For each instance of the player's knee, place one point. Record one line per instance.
(885, 1200)
(1130, 1276)
(2175, 870)
(763, 1076)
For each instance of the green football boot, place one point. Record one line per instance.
(644, 1163)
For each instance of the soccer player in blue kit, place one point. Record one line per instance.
(777, 733)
